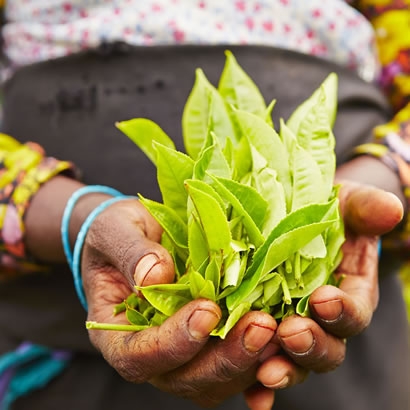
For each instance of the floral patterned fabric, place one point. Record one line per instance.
(43, 29)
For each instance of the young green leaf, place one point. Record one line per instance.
(197, 244)
(173, 168)
(247, 203)
(201, 287)
(212, 219)
(239, 90)
(329, 88)
(143, 132)
(269, 145)
(204, 106)
(308, 184)
(167, 298)
(211, 160)
(172, 224)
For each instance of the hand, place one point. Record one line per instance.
(122, 249)
(318, 343)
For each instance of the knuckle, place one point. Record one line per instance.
(226, 369)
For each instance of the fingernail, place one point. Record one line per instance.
(202, 322)
(329, 311)
(256, 337)
(143, 268)
(299, 343)
(281, 384)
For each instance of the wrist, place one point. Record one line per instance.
(44, 217)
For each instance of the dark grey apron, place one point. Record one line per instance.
(70, 105)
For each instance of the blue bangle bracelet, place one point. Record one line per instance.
(76, 265)
(72, 201)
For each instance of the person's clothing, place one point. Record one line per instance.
(70, 105)
(23, 168)
(39, 30)
(58, 111)
(391, 23)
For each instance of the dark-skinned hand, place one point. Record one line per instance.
(319, 343)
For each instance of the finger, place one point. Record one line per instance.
(348, 310)
(259, 397)
(309, 346)
(140, 356)
(225, 366)
(279, 372)
(344, 312)
(128, 238)
(370, 211)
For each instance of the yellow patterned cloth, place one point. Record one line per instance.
(23, 168)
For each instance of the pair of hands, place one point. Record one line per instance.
(258, 355)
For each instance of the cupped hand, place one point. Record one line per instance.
(122, 249)
(319, 343)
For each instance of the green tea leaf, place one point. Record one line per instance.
(248, 204)
(283, 246)
(143, 132)
(197, 244)
(242, 160)
(239, 90)
(167, 298)
(308, 184)
(204, 106)
(201, 287)
(171, 222)
(173, 168)
(211, 160)
(302, 307)
(272, 290)
(213, 270)
(266, 183)
(329, 89)
(232, 320)
(212, 219)
(269, 145)
(316, 275)
(232, 271)
(135, 317)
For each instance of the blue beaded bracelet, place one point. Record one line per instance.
(72, 201)
(79, 243)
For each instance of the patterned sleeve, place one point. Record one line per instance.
(23, 168)
(391, 21)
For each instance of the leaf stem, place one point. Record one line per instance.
(297, 271)
(286, 293)
(113, 326)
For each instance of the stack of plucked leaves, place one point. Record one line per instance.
(250, 215)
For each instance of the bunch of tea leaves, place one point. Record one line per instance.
(249, 214)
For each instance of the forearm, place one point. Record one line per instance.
(44, 216)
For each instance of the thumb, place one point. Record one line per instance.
(370, 211)
(128, 238)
